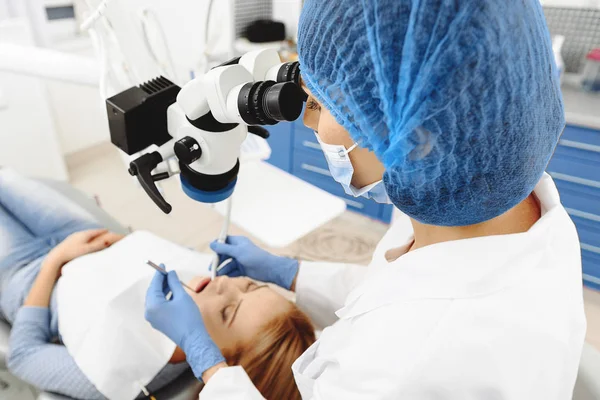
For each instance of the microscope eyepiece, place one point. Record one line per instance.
(283, 102)
(267, 102)
(289, 72)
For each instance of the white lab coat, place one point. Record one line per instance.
(497, 317)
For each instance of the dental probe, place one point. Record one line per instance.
(164, 272)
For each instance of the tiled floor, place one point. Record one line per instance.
(99, 171)
(592, 311)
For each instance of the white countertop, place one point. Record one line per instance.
(581, 108)
(295, 209)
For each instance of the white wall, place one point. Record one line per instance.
(16, 8)
(79, 111)
(3, 9)
(28, 139)
(288, 12)
(183, 24)
(572, 3)
(79, 115)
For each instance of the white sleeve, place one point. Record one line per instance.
(231, 383)
(322, 288)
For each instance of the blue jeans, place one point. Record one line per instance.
(33, 220)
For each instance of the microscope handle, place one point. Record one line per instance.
(142, 168)
(259, 131)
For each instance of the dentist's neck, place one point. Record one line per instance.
(516, 220)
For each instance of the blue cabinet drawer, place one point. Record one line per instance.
(588, 230)
(280, 140)
(386, 212)
(581, 135)
(313, 159)
(313, 169)
(305, 140)
(579, 197)
(591, 268)
(576, 162)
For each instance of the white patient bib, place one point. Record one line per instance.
(101, 311)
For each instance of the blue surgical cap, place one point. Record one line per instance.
(459, 99)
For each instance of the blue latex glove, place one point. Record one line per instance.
(181, 321)
(254, 262)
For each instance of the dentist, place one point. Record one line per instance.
(450, 110)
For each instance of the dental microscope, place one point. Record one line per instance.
(203, 124)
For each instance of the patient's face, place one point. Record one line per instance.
(235, 309)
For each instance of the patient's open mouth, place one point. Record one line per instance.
(202, 284)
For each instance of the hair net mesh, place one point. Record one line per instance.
(459, 99)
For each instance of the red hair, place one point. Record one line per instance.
(268, 358)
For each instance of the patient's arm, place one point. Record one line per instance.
(45, 365)
(41, 290)
(76, 245)
(32, 357)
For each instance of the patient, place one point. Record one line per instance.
(41, 231)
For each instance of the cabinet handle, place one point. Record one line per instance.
(592, 279)
(354, 204)
(575, 179)
(589, 247)
(583, 214)
(311, 145)
(580, 146)
(316, 170)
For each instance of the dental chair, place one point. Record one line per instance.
(185, 387)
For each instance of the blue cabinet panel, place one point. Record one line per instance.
(305, 140)
(591, 268)
(579, 197)
(386, 213)
(581, 135)
(588, 230)
(576, 162)
(281, 139)
(575, 168)
(313, 158)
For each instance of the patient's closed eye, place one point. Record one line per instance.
(229, 312)
(226, 313)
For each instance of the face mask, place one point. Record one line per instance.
(341, 170)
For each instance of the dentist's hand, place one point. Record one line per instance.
(254, 262)
(181, 321)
